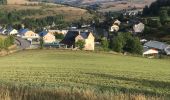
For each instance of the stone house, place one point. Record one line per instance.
(47, 37)
(73, 36)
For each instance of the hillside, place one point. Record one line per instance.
(16, 1)
(47, 9)
(107, 5)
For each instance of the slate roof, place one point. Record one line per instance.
(9, 29)
(22, 31)
(70, 38)
(85, 34)
(43, 33)
(71, 35)
(156, 45)
(2, 30)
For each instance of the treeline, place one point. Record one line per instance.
(5, 43)
(16, 16)
(25, 17)
(123, 42)
(3, 2)
(53, 21)
(155, 7)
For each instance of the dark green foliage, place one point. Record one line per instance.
(5, 43)
(126, 42)
(3, 2)
(80, 44)
(41, 43)
(22, 16)
(118, 43)
(155, 23)
(59, 36)
(155, 7)
(105, 44)
(133, 45)
(49, 20)
(163, 16)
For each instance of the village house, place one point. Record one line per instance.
(115, 26)
(27, 34)
(11, 31)
(150, 53)
(47, 37)
(117, 22)
(2, 31)
(64, 32)
(73, 36)
(163, 48)
(138, 28)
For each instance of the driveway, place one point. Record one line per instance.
(22, 43)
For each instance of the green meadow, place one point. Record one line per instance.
(100, 72)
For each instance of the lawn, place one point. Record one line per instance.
(86, 70)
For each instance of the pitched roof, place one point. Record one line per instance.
(22, 31)
(151, 51)
(156, 44)
(70, 38)
(2, 30)
(43, 33)
(85, 34)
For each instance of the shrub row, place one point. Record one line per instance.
(5, 43)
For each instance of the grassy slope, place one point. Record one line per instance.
(50, 68)
(69, 13)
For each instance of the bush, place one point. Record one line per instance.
(133, 45)
(5, 43)
(118, 43)
(104, 44)
(80, 44)
(59, 36)
(41, 43)
(126, 42)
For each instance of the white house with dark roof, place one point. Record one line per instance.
(2, 31)
(11, 31)
(160, 46)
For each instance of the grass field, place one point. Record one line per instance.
(53, 69)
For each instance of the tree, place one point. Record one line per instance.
(41, 43)
(80, 44)
(146, 11)
(118, 43)
(104, 44)
(163, 16)
(126, 42)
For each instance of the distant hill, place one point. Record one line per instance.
(16, 1)
(106, 5)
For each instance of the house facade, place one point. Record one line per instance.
(64, 32)
(73, 36)
(88, 38)
(47, 37)
(25, 33)
(12, 31)
(160, 46)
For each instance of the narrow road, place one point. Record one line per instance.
(22, 43)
